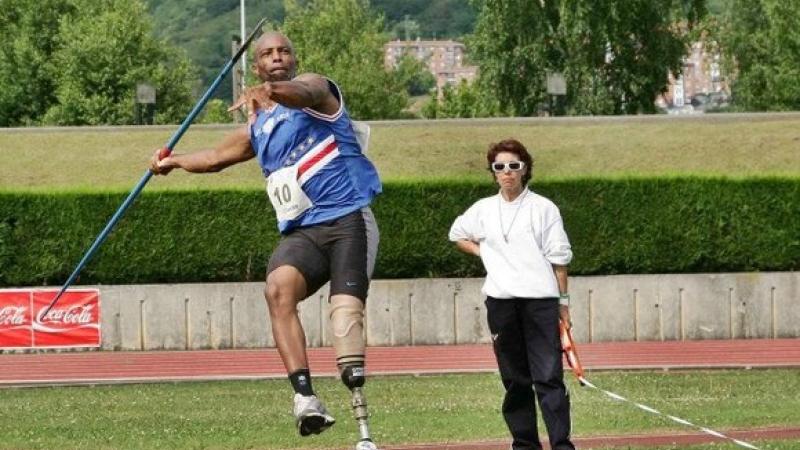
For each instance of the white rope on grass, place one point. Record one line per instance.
(585, 382)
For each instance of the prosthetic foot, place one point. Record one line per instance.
(353, 378)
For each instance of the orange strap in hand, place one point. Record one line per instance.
(568, 346)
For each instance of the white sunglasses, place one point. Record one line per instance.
(513, 166)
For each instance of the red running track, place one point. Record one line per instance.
(95, 367)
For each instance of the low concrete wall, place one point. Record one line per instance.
(451, 311)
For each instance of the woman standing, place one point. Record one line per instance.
(520, 238)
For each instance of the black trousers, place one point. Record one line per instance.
(528, 351)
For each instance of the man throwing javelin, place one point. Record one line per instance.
(321, 185)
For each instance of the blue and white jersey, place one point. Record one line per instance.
(322, 153)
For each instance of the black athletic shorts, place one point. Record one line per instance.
(341, 251)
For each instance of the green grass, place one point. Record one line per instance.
(448, 408)
(729, 145)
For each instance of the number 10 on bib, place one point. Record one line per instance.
(286, 195)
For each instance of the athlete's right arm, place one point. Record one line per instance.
(233, 149)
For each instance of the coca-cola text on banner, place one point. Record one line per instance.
(16, 320)
(73, 322)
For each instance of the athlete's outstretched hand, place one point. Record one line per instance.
(254, 98)
(162, 163)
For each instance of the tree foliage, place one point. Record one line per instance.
(205, 28)
(440, 19)
(462, 100)
(614, 54)
(342, 39)
(414, 75)
(216, 111)
(762, 41)
(26, 42)
(105, 52)
(77, 62)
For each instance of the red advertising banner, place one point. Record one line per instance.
(73, 322)
(16, 320)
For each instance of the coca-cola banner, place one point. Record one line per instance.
(15, 319)
(74, 321)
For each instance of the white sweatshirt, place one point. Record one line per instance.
(522, 266)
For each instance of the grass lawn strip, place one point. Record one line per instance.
(406, 410)
(735, 146)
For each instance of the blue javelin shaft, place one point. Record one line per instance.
(148, 174)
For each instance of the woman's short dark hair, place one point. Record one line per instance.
(515, 147)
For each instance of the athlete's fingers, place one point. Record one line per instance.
(246, 99)
(154, 161)
(161, 163)
(238, 103)
(254, 98)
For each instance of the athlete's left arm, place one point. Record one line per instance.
(308, 90)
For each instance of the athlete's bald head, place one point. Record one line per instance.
(271, 36)
(274, 57)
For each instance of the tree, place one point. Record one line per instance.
(717, 7)
(75, 62)
(463, 100)
(26, 42)
(205, 28)
(762, 41)
(615, 54)
(343, 40)
(216, 111)
(414, 75)
(105, 52)
(406, 30)
(440, 19)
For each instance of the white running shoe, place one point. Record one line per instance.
(310, 415)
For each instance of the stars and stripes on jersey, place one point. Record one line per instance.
(316, 158)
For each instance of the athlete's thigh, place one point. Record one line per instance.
(299, 250)
(351, 251)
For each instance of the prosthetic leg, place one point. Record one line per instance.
(347, 321)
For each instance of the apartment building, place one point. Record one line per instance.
(445, 59)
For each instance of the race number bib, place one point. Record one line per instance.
(286, 195)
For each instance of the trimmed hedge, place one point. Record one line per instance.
(673, 225)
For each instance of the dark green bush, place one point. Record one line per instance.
(674, 225)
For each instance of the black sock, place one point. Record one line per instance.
(301, 382)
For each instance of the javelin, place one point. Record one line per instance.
(165, 152)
